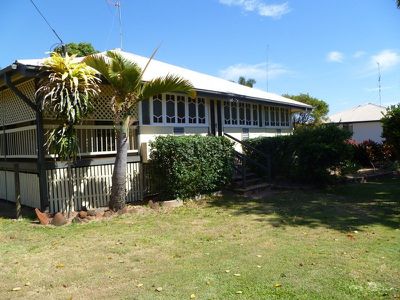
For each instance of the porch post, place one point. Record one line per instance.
(41, 153)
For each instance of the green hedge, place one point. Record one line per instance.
(308, 155)
(186, 166)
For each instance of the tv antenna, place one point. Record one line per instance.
(117, 4)
(379, 83)
(267, 67)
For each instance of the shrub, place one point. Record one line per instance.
(309, 155)
(190, 165)
(391, 128)
(369, 153)
(279, 149)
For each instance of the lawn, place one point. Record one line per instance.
(339, 243)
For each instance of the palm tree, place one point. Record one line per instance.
(67, 88)
(125, 78)
(398, 4)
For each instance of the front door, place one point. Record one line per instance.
(215, 117)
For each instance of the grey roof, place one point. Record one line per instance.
(362, 113)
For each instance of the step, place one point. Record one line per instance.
(252, 188)
(249, 181)
(249, 175)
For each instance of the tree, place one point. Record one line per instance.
(398, 4)
(66, 89)
(247, 82)
(78, 49)
(315, 116)
(126, 80)
(391, 128)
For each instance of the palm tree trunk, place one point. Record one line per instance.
(118, 189)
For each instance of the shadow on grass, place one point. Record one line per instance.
(344, 208)
(8, 211)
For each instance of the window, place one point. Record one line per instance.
(242, 120)
(201, 105)
(234, 113)
(248, 114)
(192, 111)
(283, 116)
(287, 117)
(272, 116)
(266, 116)
(170, 104)
(181, 103)
(348, 127)
(227, 112)
(146, 111)
(157, 109)
(255, 114)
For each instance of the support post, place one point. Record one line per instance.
(17, 192)
(41, 153)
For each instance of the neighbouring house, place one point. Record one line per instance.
(221, 107)
(363, 121)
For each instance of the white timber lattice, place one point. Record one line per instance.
(91, 186)
(102, 108)
(102, 105)
(13, 109)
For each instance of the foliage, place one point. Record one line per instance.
(315, 117)
(67, 88)
(78, 49)
(309, 155)
(190, 165)
(247, 82)
(125, 78)
(391, 128)
(369, 153)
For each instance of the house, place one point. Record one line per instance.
(220, 107)
(363, 121)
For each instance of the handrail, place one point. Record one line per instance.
(248, 146)
(246, 158)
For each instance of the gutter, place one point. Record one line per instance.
(263, 100)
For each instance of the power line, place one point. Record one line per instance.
(48, 24)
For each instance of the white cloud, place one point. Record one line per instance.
(376, 89)
(258, 6)
(335, 56)
(359, 54)
(256, 71)
(387, 59)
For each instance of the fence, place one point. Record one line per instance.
(91, 186)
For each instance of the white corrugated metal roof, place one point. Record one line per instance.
(362, 113)
(200, 81)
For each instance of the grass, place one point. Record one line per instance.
(341, 243)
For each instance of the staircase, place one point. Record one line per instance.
(245, 180)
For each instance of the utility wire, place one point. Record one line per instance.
(33, 3)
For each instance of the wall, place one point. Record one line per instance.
(367, 131)
(29, 188)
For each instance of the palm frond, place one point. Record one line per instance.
(167, 84)
(151, 58)
(99, 63)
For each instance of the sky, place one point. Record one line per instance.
(328, 49)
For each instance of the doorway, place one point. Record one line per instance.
(216, 117)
